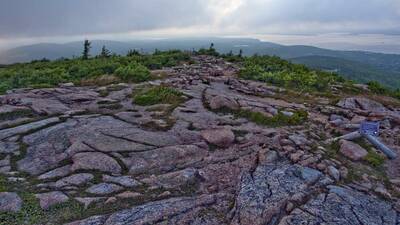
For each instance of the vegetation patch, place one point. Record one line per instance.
(159, 95)
(298, 118)
(279, 72)
(31, 213)
(133, 73)
(133, 67)
(374, 159)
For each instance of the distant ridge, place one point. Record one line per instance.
(357, 65)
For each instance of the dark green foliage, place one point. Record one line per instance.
(133, 52)
(134, 72)
(105, 53)
(376, 88)
(210, 51)
(158, 95)
(86, 50)
(47, 74)
(298, 118)
(279, 72)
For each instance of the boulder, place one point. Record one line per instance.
(76, 180)
(50, 199)
(220, 102)
(219, 137)
(59, 172)
(342, 206)
(95, 161)
(27, 127)
(104, 189)
(126, 181)
(361, 103)
(10, 202)
(334, 173)
(352, 150)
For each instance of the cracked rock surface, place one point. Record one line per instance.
(77, 162)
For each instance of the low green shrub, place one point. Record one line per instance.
(158, 95)
(133, 73)
(298, 118)
(279, 72)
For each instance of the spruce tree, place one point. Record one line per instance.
(105, 53)
(240, 53)
(86, 50)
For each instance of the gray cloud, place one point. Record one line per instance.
(49, 18)
(26, 18)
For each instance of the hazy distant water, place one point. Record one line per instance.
(363, 42)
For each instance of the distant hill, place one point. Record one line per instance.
(357, 65)
(361, 72)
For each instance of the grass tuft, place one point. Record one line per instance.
(158, 95)
(298, 118)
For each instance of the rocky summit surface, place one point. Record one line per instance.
(91, 156)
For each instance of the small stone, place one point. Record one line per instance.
(111, 200)
(285, 142)
(310, 175)
(380, 189)
(352, 150)
(10, 202)
(165, 194)
(295, 157)
(220, 102)
(125, 181)
(129, 194)
(268, 157)
(66, 85)
(104, 189)
(76, 179)
(50, 199)
(289, 207)
(334, 173)
(87, 201)
(321, 166)
(299, 140)
(59, 172)
(344, 172)
(286, 113)
(219, 137)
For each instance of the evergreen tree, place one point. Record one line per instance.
(212, 47)
(240, 53)
(133, 52)
(105, 53)
(86, 50)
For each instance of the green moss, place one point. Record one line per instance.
(15, 114)
(3, 184)
(374, 159)
(65, 212)
(298, 118)
(31, 213)
(158, 95)
(332, 149)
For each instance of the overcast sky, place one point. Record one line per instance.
(30, 21)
